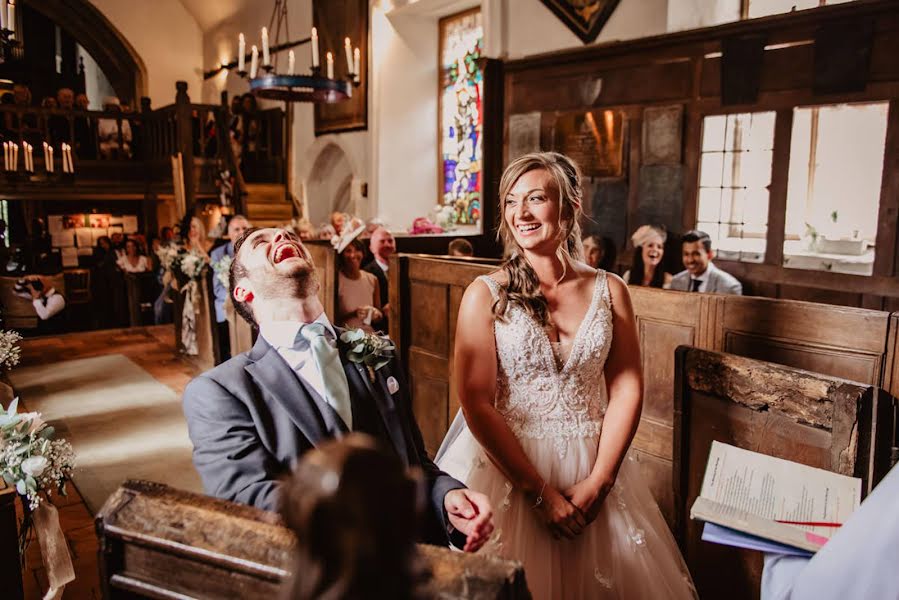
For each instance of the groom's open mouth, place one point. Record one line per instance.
(285, 251)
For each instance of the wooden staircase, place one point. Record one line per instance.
(267, 204)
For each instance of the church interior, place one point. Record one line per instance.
(737, 167)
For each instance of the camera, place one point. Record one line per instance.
(22, 286)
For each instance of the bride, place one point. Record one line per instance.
(547, 366)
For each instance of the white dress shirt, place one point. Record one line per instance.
(50, 305)
(384, 266)
(282, 334)
(703, 279)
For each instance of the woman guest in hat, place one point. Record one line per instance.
(358, 294)
(649, 250)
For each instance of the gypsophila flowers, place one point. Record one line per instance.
(222, 268)
(167, 254)
(9, 349)
(190, 263)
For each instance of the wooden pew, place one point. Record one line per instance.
(159, 542)
(10, 571)
(814, 419)
(141, 289)
(850, 343)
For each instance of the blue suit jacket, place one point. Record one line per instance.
(251, 418)
(218, 289)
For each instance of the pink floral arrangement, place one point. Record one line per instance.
(423, 225)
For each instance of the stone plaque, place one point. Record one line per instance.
(524, 134)
(662, 133)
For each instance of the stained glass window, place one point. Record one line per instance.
(461, 117)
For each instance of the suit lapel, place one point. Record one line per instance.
(277, 381)
(362, 389)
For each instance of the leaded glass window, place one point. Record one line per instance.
(461, 114)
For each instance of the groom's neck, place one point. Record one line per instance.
(305, 310)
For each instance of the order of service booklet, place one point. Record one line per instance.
(774, 499)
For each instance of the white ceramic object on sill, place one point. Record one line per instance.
(853, 247)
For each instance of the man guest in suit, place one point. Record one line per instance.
(701, 274)
(252, 417)
(236, 228)
(382, 246)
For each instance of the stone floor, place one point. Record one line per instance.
(153, 349)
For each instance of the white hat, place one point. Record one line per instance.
(351, 231)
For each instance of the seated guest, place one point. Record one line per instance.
(382, 246)
(593, 250)
(48, 303)
(859, 561)
(236, 228)
(59, 124)
(329, 506)
(338, 219)
(197, 239)
(460, 247)
(49, 102)
(114, 133)
(358, 296)
(701, 275)
(132, 261)
(253, 416)
(85, 131)
(649, 249)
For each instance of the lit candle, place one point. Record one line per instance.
(46, 160)
(27, 147)
(266, 57)
(241, 52)
(314, 48)
(348, 50)
(50, 168)
(330, 59)
(291, 61)
(15, 156)
(11, 18)
(71, 162)
(356, 63)
(64, 148)
(254, 62)
(6, 156)
(3, 14)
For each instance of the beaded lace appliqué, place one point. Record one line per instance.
(538, 398)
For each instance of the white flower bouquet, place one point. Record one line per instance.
(189, 263)
(222, 268)
(9, 349)
(167, 254)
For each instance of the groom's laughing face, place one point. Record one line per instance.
(277, 265)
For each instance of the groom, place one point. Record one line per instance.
(252, 417)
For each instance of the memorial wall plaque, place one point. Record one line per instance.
(594, 139)
(662, 133)
(524, 134)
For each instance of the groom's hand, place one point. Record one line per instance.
(470, 512)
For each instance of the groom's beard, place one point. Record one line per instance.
(300, 284)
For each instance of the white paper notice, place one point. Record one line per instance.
(54, 224)
(778, 489)
(84, 237)
(70, 257)
(96, 234)
(129, 223)
(64, 238)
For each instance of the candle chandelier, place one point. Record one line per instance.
(266, 82)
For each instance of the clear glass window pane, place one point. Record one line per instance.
(755, 168)
(713, 133)
(709, 204)
(833, 198)
(710, 169)
(763, 8)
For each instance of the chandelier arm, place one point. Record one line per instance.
(272, 49)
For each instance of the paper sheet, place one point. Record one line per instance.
(84, 237)
(779, 489)
(70, 257)
(55, 224)
(96, 234)
(64, 238)
(129, 223)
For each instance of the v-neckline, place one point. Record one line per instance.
(575, 343)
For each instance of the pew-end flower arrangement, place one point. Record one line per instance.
(32, 461)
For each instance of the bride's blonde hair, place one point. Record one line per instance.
(524, 287)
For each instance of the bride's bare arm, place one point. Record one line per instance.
(624, 381)
(475, 373)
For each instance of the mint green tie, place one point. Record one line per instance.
(327, 359)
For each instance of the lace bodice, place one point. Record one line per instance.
(538, 398)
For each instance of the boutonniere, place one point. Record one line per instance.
(368, 349)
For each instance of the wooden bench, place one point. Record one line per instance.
(159, 542)
(813, 419)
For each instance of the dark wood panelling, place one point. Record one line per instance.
(429, 313)
(430, 391)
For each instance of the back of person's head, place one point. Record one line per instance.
(460, 247)
(695, 235)
(354, 511)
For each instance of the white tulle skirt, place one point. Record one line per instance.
(628, 552)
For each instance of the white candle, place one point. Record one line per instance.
(11, 18)
(314, 48)
(46, 160)
(348, 50)
(71, 163)
(291, 61)
(15, 156)
(330, 58)
(356, 64)
(27, 147)
(3, 14)
(241, 53)
(254, 62)
(6, 156)
(266, 57)
(64, 148)
(51, 168)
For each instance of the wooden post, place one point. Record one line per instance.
(185, 143)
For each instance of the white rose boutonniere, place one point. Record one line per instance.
(367, 349)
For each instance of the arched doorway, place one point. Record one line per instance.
(329, 185)
(118, 60)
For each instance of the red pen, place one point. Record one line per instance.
(810, 523)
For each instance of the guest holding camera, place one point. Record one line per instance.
(48, 303)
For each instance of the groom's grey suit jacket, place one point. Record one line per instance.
(252, 417)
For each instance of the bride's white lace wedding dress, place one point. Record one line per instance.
(555, 406)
